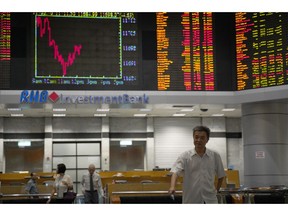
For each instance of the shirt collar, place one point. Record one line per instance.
(207, 152)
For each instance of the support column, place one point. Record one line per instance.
(105, 145)
(150, 148)
(47, 159)
(265, 139)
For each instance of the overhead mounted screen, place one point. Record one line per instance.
(160, 51)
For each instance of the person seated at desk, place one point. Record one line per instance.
(31, 187)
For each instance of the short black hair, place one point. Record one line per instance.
(61, 168)
(202, 128)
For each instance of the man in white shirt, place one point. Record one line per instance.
(198, 166)
(92, 186)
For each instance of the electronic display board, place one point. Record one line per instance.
(118, 51)
(5, 49)
(98, 49)
(185, 51)
(262, 50)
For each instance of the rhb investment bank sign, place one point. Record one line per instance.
(36, 96)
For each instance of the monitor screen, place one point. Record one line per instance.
(118, 51)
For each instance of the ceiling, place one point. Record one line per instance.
(151, 110)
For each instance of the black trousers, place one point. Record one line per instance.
(91, 197)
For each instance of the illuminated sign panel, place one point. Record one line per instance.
(44, 97)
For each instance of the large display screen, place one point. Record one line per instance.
(118, 51)
(98, 49)
(262, 50)
(5, 49)
(185, 51)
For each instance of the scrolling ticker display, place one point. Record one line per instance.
(143, 51)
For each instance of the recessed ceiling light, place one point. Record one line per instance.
(186, 110)
(17, 115)
(100, 114)
(219, 114)
(179, 114)
(59, 115)
(145, 110)
(59, 109)
(228, 109)
(140, 115)
(103, 110)
(14, 109)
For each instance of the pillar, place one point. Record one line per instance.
(265, 140)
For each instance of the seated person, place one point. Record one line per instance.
(31, 186)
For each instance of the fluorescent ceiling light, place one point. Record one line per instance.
(140, 115)
(14, 109)
(179, 114)
(228, 109)
(59, 115)
(17, 115)
(145, 110)
(59, 109)
(100, 114)
(24, 143)
(186, 110)
(220, 114)
(103, 110)
(125, 142)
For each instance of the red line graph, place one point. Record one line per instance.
(44, 27)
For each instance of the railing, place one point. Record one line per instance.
(143, 192)
(255, 195)
(145, 197)
(24, 195)
(32, 198)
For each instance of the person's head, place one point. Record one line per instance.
(91, 169)
(201, 135)
(61, 168)
(33, 175)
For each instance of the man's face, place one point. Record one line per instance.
(91, 170)
(34, 176)
(200, 139)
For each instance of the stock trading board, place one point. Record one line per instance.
(156, 51)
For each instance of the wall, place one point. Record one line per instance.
(165, 138)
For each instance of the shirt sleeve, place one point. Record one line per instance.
(178, 166)
(100, 186)
(69, 181)
(220, 172)
(28, 187)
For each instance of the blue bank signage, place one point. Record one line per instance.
(36, 96)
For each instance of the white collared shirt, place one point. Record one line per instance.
(199, 175)
(97, 183)
(60, 187)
